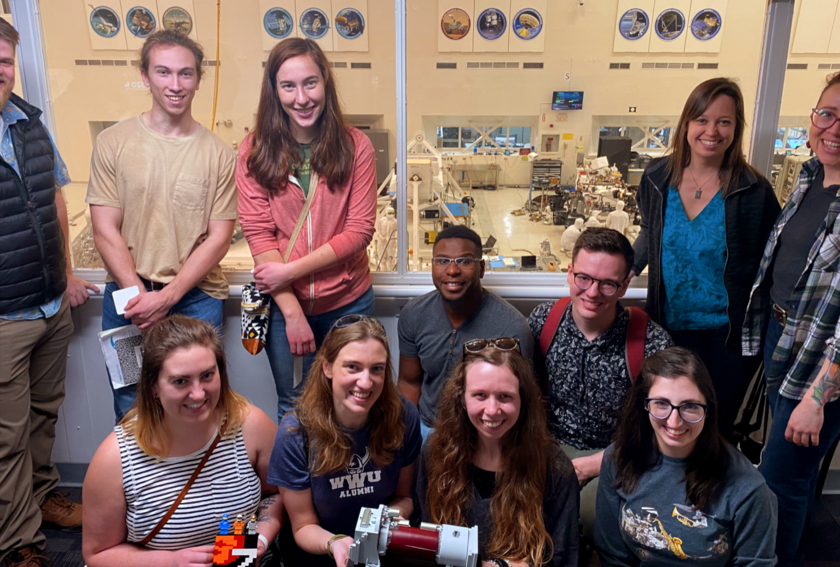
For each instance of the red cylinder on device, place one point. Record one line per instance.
(414, 542)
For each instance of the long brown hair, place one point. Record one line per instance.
(315, 410)
(698, 101)
(528, 451)
(636, 450)
(162, 339)
(275, 151)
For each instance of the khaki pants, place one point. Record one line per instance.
(587, 493)
(33, 361)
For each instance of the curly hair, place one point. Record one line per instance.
(516, 507)
(315, 410)
(163, 338)
(636, 450)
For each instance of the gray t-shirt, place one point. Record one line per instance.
(655, 525)
(427, 333)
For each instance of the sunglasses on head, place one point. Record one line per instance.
(349, 320)
(503, 343)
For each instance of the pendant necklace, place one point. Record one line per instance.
(699, 191)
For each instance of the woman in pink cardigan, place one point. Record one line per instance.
(300, 150)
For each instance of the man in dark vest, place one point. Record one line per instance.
(37, 290)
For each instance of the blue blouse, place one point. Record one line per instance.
(693, 259)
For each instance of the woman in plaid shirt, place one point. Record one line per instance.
(798, 284)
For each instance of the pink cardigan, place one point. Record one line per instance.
(342, 217)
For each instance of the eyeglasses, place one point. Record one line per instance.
(462, 262)
(823, 119)
(606, 287)
(504, 343)
(690, 412)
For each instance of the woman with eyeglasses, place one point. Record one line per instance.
(706, 216)
(307, 206)
(351, 442)
(673, 491)
(491, 462)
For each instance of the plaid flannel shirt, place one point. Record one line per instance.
(812, 330)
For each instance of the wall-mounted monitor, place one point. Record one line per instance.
(567, 100)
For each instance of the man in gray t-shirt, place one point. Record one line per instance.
(434, 327)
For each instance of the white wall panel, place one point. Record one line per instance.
(834, 39)
(670, 26)
(492, 18)
(633, 26)
(813, 27)
(455, 16)
(703, 38)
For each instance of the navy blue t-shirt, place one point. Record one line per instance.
(339, 495)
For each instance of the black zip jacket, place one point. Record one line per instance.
(32, 260)
(750, 212)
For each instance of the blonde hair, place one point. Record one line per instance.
(146, 419)
(528, 453)
(315, 410)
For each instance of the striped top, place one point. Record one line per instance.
(228, 484)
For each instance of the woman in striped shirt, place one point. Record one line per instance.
(184, 401)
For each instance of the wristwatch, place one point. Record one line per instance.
(330, 542)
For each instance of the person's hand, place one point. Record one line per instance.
(805, 423)
(341, 551)
(78, 290)
(586, 468)
(300, 337)
(193, 557)
(271, 277)
(147, 308)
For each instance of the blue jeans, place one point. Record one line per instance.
(195, 304)
(791, 471)
(279, 353)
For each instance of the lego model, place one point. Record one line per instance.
(378, 531)
(236, 549)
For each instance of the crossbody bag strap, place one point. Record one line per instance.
(151, 535)
(310, 196)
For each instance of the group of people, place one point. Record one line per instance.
(492, 419)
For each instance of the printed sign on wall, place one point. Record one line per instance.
(706, 26)
(455, 31)
(670, 26)
(105, 24)
(141, 21)
(527, 23)
(492, 25)
(179, 15)
(315, 22)
(350, 18)
(279, 21)
(633, 28)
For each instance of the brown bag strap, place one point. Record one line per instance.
(310, 196)
(151, 535)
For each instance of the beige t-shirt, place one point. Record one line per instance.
(168, 189)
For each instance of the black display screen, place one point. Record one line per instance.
(567, 100)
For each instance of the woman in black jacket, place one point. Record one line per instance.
(706, 216)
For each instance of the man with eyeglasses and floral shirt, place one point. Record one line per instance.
(586, 363)
(434, 327)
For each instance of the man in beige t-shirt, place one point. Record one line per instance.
(162, 199)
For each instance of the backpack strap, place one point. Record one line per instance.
(634, 351)
(552, 323)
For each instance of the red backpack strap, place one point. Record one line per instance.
(634, 351)
(552, 323)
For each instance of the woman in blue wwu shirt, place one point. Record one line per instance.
(351, 442)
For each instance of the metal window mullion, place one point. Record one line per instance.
(771, 78)
(32, 61)
(402, 137)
